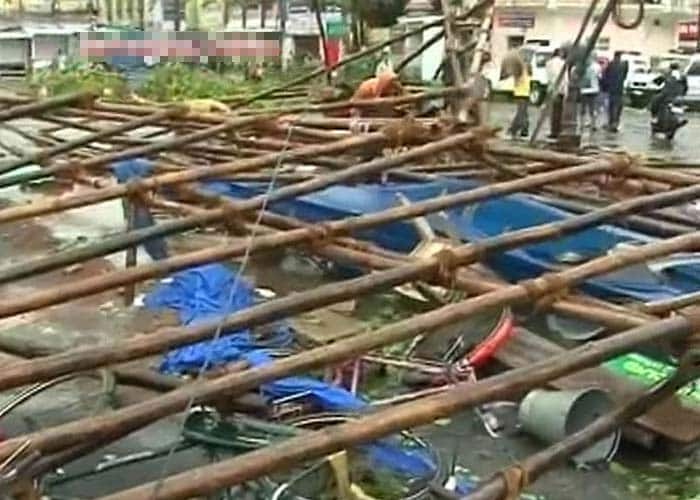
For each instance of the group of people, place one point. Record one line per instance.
(598, 89)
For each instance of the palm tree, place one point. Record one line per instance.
(373, 13)
(264, 6)
(380, 13)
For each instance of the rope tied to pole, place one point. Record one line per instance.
(322, 232)
(448, 263)
(691, 343)
(622, 165)
(480, 135)
(545, 290)
(516, 479)
(232, 220)
(136, 191)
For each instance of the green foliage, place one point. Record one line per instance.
(177, 81)
(80, 77)
(662, 481)
(381, 13)
(355, 72)
(376, 13)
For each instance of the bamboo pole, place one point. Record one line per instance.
(38, 107)
(295, 450)
(123, 241)
(122, 111)
(465, 254)
(674, 178)
(359, 55)
(130, 259)
(122, 422)
(34, 209)
(416, 53)
(535, 465)
(90, 286)
(547, 108)
(612, 317)
(451, 54)
(67, 146)
(645, 224)
(145, 150)
(362, 103)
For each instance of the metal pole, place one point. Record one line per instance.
(697, 30)
(178, 17)
(546, 109)
(570, 122)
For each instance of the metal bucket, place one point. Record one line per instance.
(553, 415)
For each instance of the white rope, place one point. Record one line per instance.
(217, 334)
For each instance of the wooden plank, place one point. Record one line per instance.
(670, 419)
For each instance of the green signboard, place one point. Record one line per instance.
(648, 372)
(335, 28)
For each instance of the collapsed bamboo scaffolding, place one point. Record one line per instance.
(461, 255)
(135, 152)
(276, 457)
(209, 138)
(67, 146)
(124, 421)
(348, 225)
(212, 172)
(137, 236)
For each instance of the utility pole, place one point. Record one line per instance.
(697, 30)
(570, 136)
(178, 16)
(317, 6)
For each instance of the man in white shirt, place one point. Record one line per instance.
(554, 67)
(385, 63)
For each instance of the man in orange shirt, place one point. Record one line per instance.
(386, 84)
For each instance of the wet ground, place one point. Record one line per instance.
(101, 318)
(633, 135)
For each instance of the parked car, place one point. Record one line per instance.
(692, 75)
(642, 86)
(536, 57)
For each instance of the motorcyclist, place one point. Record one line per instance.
(675, 85)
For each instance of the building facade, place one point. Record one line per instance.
(555, 22)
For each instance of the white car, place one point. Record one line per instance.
(692, 75)
(536, 56)
(641, 86)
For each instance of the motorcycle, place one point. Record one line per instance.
(669, 117)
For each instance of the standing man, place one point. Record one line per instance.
(384, 65)
(554, 67)
(514, 66)
(614, 83)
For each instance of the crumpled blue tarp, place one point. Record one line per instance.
(126, 171)
(206, 293)
(200, 293)
(212, 291)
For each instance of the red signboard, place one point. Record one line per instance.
(687, 31)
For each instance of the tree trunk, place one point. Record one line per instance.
(227, 12)
(263, 13)
(244, 15)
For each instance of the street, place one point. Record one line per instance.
(634, 135)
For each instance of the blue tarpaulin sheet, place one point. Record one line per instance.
(210, 292)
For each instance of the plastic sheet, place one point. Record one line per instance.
(211, 292)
